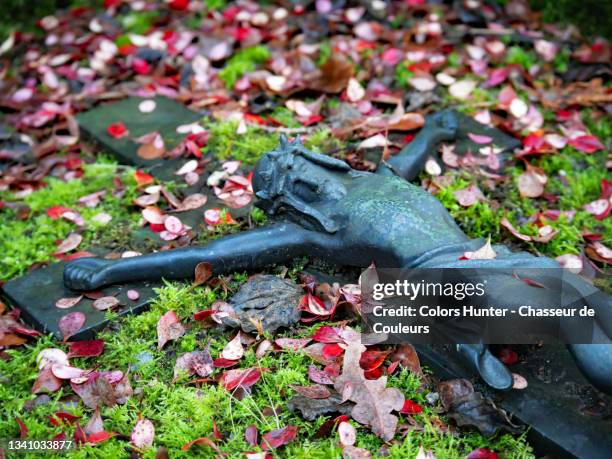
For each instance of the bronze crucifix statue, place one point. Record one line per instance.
(322, 207)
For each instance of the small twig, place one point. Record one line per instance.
(286, 130)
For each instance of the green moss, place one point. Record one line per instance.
(402, 74)
(242, 62)
(224, 143)
(519, 56)
(23, 242)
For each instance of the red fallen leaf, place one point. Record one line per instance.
(332, 350)
(292, 343)
(141, 66)
(117, 130)
(319, 376)
(586, 143)
(59, 437)
(142, 178)
(56, 212)
(71, 323)
(411, 407)
(143, 434)
(327, 335)
(76, 255)
(251, 435)
(600, 208)
(279, 437)
(23, 429)
(529, 281)
(202, 441)
(507, 356)
(328, 426)
(373, 374)
(216, 432)
(392, 367)
(482, 453)
(371, 360)
(90, 348)
(203, 315)
(314, 305)
(179, 5)
(243, 378)
(168, 328)
(315, 391)
(497, 76)
(407, 356)
(100, 437)
(71, 242)
(62, 417)
(80, 437)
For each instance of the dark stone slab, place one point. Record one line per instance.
(166, 117)
(554, 405)
(36, 293)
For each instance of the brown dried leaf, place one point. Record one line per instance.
(374, 402)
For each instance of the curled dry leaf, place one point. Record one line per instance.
(518, 381)
(203, 272)
(70, 243)
(506, 224)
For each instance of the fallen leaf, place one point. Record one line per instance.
(71, 323)
(374, 402)
(482, 453)
(279, 437)
(70, 243)
(347, 434)
(143, 434)
(518, 381)
(95, 424)
(243, 378)
(469, 408)
(462, 89)
(411, 407)
(353, 452)
(531, 182)
(335, 74)
(106, 302)
(251, 435)
(314, 391)
(66, 303)
(195, 362)
(469, 196)
(203, 272)
(586, 143)
(23, 430)
(168, 328)
(354, 90)
(506, 224)
(90, 348)
(117, 130)
(233, 350)
(203, 441)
